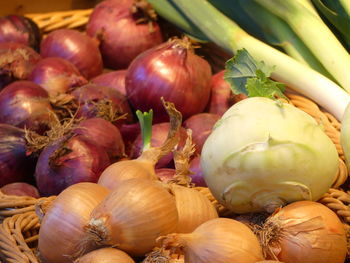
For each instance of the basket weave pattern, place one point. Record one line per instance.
(21, 222)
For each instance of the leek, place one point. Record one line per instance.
(316, 35)
(228, 35)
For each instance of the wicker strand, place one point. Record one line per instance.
(339, 202)
(13, 246)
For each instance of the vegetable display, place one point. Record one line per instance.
(176, 132)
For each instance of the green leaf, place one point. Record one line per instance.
(247, 76)
(145, 119)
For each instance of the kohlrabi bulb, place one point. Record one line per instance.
(263, 154)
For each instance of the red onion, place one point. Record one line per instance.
(16, 62)
(122, 32)
(197, 173)
(222, 97)
(201, 125)
(170, 70)
(20, 29)
(114, 79)
(104, 134)
(165, 174)
(90, 94)
(68, 161)
(56, 75)
(15, 165)
(25, 104)
(159, 135)
(20, 189)
(129, 133)
(76, 47)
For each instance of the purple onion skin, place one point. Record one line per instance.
(56, 75)
(197, 176)
(122, 37)
(114, 79)
(104, 134)
(16, 62)
(76, 47)
(20, 29)
(129, 133)
(89, 93)
(25, 104)
(15, 164)
(159, 135)
(81, 161)
(171, 71)
(20, 189)
(201, 125)
(165, 174)
(221, 98)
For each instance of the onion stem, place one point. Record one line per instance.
(228, 35)
(316, 35)
(145, 120)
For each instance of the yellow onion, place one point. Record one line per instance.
(133, 216)
(62, 227)
(193, 208)
(105, 255)
(220, 240)
(304, 231)
(144, 166)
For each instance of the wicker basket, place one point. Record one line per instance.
(20, 216)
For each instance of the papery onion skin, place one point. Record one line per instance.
(222, 97)
(15, 164)
(16, 62)
(197, 173)
(159, 135)
(172, 71)
(165, 174)
(122, 37)
(307, 232)
(62, 228)
(105, 255)
(20, 189)
(68, 161)
(201, 125)
(263, 154)
(104, 134)
(133, 215)
(20, 29)
(118, 172)
(114, 79)
(90, 94)
(24, 104)
(218, 240)
(56, 75)
(76, 47)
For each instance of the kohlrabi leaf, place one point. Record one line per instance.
(247, 76)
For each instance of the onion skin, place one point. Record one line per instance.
(76, 47)
(122, 37)
(201, 125)
(56, 75)
(20, 189)
(103, 134)
(165, 174)
(307, 232)
(197, 173)
(24, 104)
(172, 71)
(88, 94)
(16, 62)
(68, 161)
(15, 164)
(105, 255)
(221, 98)
(159, 135)
(62, 228)
(20, 29)
(114, 79)
(133, 215)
